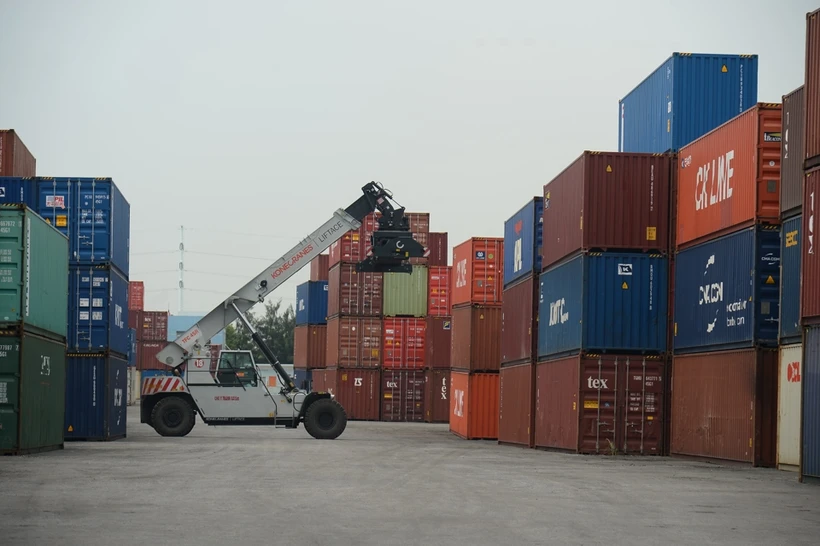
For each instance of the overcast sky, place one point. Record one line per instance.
(250, 122)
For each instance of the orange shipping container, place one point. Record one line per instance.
(310, 346)
(730, 178)
(474, 405)
(478, 271)
(136, 296)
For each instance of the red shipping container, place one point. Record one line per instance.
(134, 317)
(153, 326)
(355, 244)
(352, 293)
(600, 404)
(356, 390)
(438, 284)
(420, 228)
(136, 296)
(215, 349)
(15, 159)
(607, 201)
(147, 355)
(437, 396)
(519, 327)
(810, 252)
(724, 405)
(310, 346)
(319, 267)
(812, 90)
(354, 342)
(438, 343)
(729, 178)
(516, 405)
(403, 395)
(474, 405)
(476, 344)
(437, 244)
(478, 271)
(404, 342)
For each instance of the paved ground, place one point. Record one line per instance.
(385, 484)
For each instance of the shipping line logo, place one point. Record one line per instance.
(712, 293)
(461, 273)
(713, 183)
(458, 407)
(557, 313)
(793, 372)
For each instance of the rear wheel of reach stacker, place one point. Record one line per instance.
(325, 419)
(173, 416)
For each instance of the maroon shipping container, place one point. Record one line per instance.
(403, 344)
(403, 395)
(352, 293)
(153, 326)
(438, 285)
(791, 153)
(356, 390)
(136, 296)
(724, 405)
(319, 267)
(437, 396)
(354, 342)
(812, 90)
(607, 201)
(15, 159)
(438, 343)
(600, 404)
(516, 405)
(519, 329)
(147, 355)
(354, 245)
(438, 245)
(476, 342)
(310, 346)
(134, 320)
(420, 228)
(809, 251)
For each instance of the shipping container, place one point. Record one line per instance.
(420, 228)
(791, 153)
(607, 201)
(788, 407)
(437, 396)
(34, 276)
(95, 216)
(402, 395)
(134, 387)
(354, 342)
(809, 254)
(666, 110)
(439, 303)
(148, 351)
(18, 191)
(404, 343)
(438, 342)
(727, 292)
(724, 405)
(310, 346)
(730, 178)
(405, 295)
(153, 326)
(812, 143)
(303, 379)
(516, 405)
(132, 347)
(15, 158)
(478, 271)
(476, 338)
(790, 243)
(319, 267)
(356, 390)
(32, 393)
(352, 293)
(353, 245)
(95, 397)
(519, 321)
(474, 405)
(136, 296)
(97, 307)
(601, 404)
(438, 245)
(810, 402)
(604, 302)
(523, 234)
(311, 303)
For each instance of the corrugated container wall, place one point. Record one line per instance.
(604, 302)
(812, 145)
(790, 243)
(403, 395)
(666, 110)
(311, 303)
(34, 276)
(132, 347)
(19, 190)
(319, 267)
(32, 393)
(519, 321)
(153, 326)
(810, 440)
(420, 228)
(810, 253)
(148, 351)
(478, 271)
(303, 379)
(94, 215)
(354, 342)
(405, 295)
(15, 158)
(354, 244)
(438, 342)
(136, 296)
(310, 346)
(476, 338)
(439, 285)
(607, 201)
(788, 406)
(404, 343)
(95, 404)
(516, 405)
(474, 405)
(727, 292)
(724, 406)
(437, 396)
(438, 245)
(730, 178)
(356, 390)
(791, 153)
(523, 234)
(352, 293)
(97, 310)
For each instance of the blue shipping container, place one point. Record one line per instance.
(179, 324)
(18, 190)
(132, 347)
(303, 378)
(311, 303)
(94, 215)
(811, 403)
(97, 310)
(727, 292)
(95, 397)
(790, 280)
(155, 373)
(604, 302)
(685, 98)
(522, 241)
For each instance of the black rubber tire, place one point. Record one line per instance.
(173, 416)
(325, 419)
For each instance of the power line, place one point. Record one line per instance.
(153, 252)
(229, 256)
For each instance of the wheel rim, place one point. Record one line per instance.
(172, 418)
(326, 420)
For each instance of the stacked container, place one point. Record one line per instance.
(310, 333)
(438, 334)
(15, 161)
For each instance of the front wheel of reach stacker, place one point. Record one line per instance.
(173, 416)
(325, 419)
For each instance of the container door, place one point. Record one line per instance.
(54, 202)
(641, 416)
(117, 384)
(93, 222)
(599, 393)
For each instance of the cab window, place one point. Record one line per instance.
(236, 369)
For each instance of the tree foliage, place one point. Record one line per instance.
(274, 325)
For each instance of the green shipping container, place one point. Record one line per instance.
(405, 295)
(32, 393)
(33, 273)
